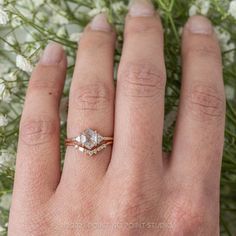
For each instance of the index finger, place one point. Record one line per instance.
(38, 155)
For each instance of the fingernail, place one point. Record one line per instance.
(52, 54)
(199, 25)
(100, 23)
(141, 8)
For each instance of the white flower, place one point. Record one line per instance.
(2, 229)
(232, 9)
(200, 6)
(38, 3)
(62, 32)
(3, 120)
(5, 95)
(4, 68)
(16, 22)
(10, 77)
(119, 6)
(229, 92)
(59, 19)
(10, 41)
(23, 64)
(3, 17)
(96, 11)
(223, 35)
(193, 10)
(75, 37)
(7, 159)
(6, 201)
(226, 44)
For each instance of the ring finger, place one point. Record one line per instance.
(91, 101)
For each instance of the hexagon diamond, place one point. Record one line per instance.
(89, 138)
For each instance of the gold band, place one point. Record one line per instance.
(70, 141)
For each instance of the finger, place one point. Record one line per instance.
(91, 101)
(140, 91)
(199, 135)
(38, 157)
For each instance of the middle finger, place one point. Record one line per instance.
(140, 92)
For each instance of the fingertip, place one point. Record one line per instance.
(199, 25)
(53, 54)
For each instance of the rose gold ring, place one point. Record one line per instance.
(89, 142)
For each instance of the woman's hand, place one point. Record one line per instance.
(130, 188)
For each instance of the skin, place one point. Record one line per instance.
(132, 182)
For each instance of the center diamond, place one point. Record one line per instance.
(90, 138)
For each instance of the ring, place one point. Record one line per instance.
(89, 142)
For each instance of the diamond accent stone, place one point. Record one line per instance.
(90, 138)
(77, 139)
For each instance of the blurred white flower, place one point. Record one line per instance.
(2, 229)
(3, 68)
(10, 76)
(16, 21)
(232, 9)
(193, 10)
(6, 201)
(62, 32)
(7, 159)
(229, 92)
(10, 41)
(3, 120)
(99, 8)
(223, 35)
(226, 44)
(96, 11)
(119, 6)
(230, 54)
(23, 64)
(38, 3)
(75, 37)
(5, 95)
(3, 16)
(59, 19)
(200, 7)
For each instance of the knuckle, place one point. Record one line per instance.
(205, 102)
(92, 97)
(134, 201)
(37, 131)
(45, 84)
(205, 51)
(187, 222)
(131, 208)
(142, 80)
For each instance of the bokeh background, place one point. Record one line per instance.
(26, 26)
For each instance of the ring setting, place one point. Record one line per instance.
(89, 141)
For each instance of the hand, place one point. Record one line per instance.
(129, 188)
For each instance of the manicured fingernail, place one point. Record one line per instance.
(141, 8)
(100, 23)
(52, 54)
(199, 25)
